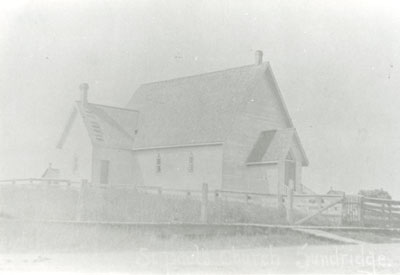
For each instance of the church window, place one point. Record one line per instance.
(158, 164)
(191, 163)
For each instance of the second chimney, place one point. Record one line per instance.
(84, 87)
(258, 57)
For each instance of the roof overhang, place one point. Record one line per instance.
(262, 163)
(178, 146)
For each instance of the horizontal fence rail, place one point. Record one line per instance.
(220, 200)
(39, 181)
(354, 210)
(381, 212)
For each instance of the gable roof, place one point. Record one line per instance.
(199, 109)
(107, 126)
(195, 109)
(273, 145)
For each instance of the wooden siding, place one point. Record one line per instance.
(262, 112)
(262, 178)
(122, 168)
(175, 167)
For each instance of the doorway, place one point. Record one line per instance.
(290, 171)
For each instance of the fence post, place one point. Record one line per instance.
(289, 205)
(80, 203)
(281, 186)
(219, 208)
(204, 203)
(362, 211)
(343, 209)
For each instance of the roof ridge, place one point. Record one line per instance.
(264, 64)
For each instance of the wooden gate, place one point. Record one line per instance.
(351, 210)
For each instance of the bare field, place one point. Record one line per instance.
(55, 237)
(371, 236)
(321, 259)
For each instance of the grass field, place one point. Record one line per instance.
(55, 237)
(128, 205)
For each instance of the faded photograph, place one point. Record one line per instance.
(208, 137)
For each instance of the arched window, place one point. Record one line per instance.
(191, 163)
(158, 164)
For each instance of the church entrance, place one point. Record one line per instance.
(290, 171)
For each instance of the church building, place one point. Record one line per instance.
(230, 129)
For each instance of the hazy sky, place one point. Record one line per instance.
(337, 64)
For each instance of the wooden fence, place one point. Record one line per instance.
(33, 181)
(302, 207)
(380, 212)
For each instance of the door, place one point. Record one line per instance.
(290, 173)
(104, 171)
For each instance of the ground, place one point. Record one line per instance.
(371, 236)
(371, 258)
(154, 244)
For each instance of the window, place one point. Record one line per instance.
(191, 163)
(158, 164)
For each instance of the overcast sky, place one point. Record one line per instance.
(336, 62)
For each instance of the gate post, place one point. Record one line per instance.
(281, 186)
(204, 203)
(81, 200)
(342, 216)
(289, 205)
(361, 207)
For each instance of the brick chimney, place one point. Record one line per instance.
(84, 87)
(258, 57)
